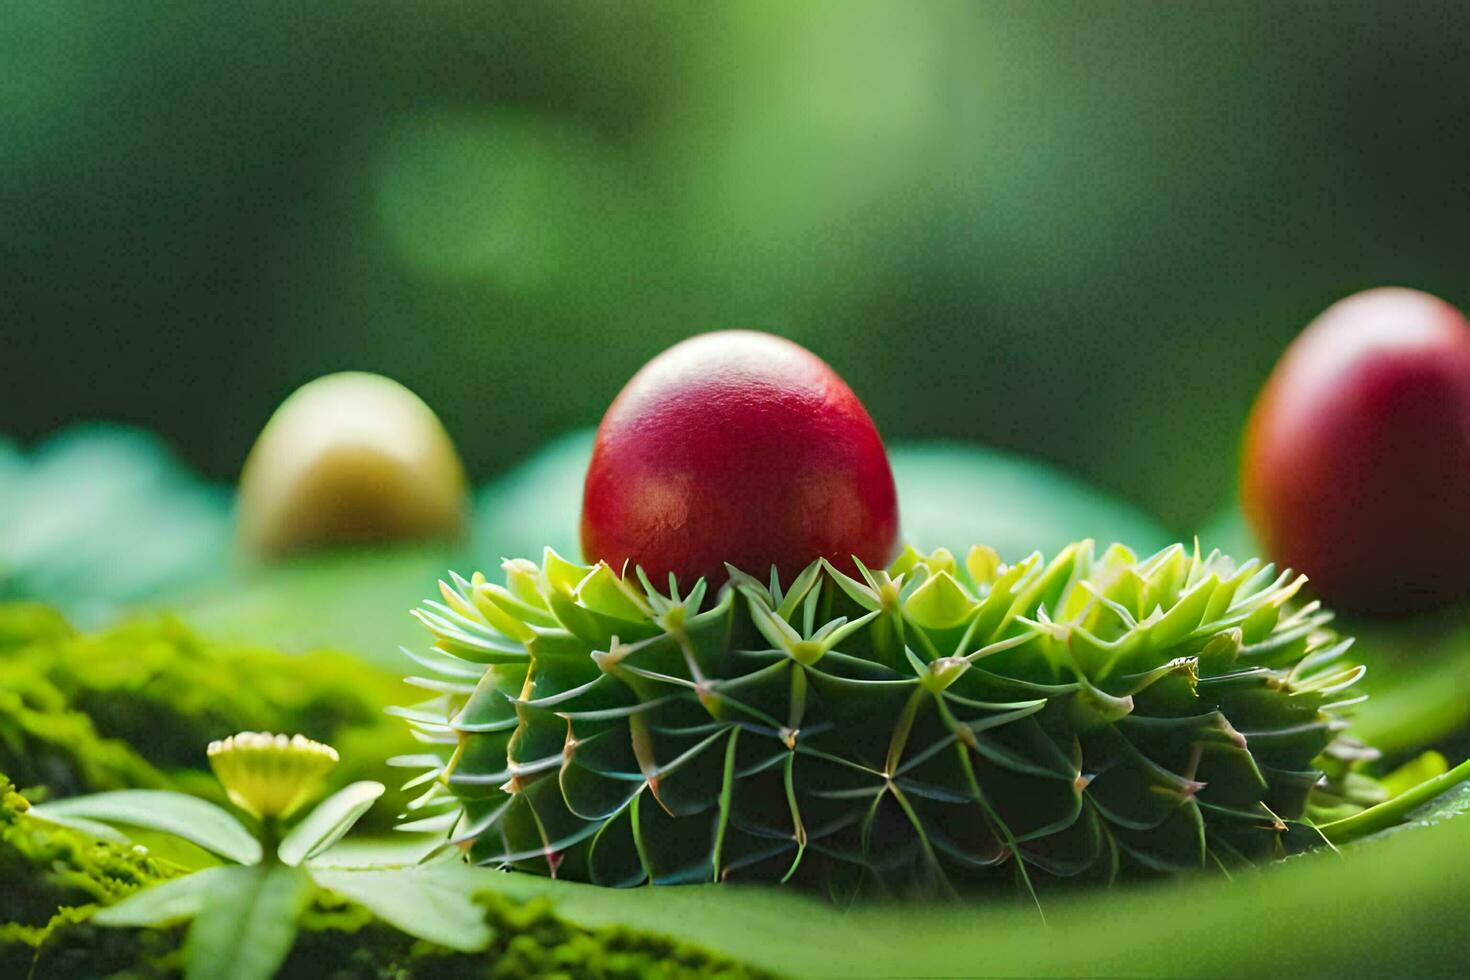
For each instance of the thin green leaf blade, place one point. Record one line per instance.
(434, 902)
(99, 830)
(246, 930)
(172, 901)
(1413, 805)
(329, 822)
(195, 820)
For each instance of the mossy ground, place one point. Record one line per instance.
(135, 706)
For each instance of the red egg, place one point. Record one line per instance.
(737, 447)
(1357, 454)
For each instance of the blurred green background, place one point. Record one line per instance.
(1079, 230)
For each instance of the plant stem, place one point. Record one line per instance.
(1395, 811)
(270, 839)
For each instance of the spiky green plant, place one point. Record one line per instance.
(934, 725)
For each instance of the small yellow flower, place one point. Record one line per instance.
(270, 775)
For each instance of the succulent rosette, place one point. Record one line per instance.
(935, 724)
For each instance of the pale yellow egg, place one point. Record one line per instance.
(350, 458)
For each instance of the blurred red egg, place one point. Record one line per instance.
(1357, 454)
(737, 447)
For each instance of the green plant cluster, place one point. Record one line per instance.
(134, 706)
(56, 877)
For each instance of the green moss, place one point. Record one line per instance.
(135, 706)
(530, 941)
(46, 866)
(53, 879)
(23, 623)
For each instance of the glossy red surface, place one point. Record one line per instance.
(737, 447)
(1357, 455)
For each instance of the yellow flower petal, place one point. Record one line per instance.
(270, 775)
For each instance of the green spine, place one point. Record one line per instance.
(932, 726)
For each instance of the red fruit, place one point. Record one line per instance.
(1357, 455)
(737, 447)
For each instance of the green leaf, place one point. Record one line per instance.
(103, 515)
(434, 902)
(940, 603)
(329, 822)
(247, 929)
(954, 495)
(1248, 926)
(99, 830)
(1449, 805)
(189, 817)
(173, 901)
(360, 851)
(344, 600)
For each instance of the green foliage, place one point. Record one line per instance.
(422, 902)
(1429, 801)
(101, 519)
(244, 919)
(134, 706)
(528, 937)
(350, 599)
(544, 927)
(100, 516)
(934, 725)
(48, 866)
(56, 878)
(1417, 670)
(244, 930)
(198, 821)
(1387, 906)
(329, 822)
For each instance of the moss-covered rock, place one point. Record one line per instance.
(134, 706)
